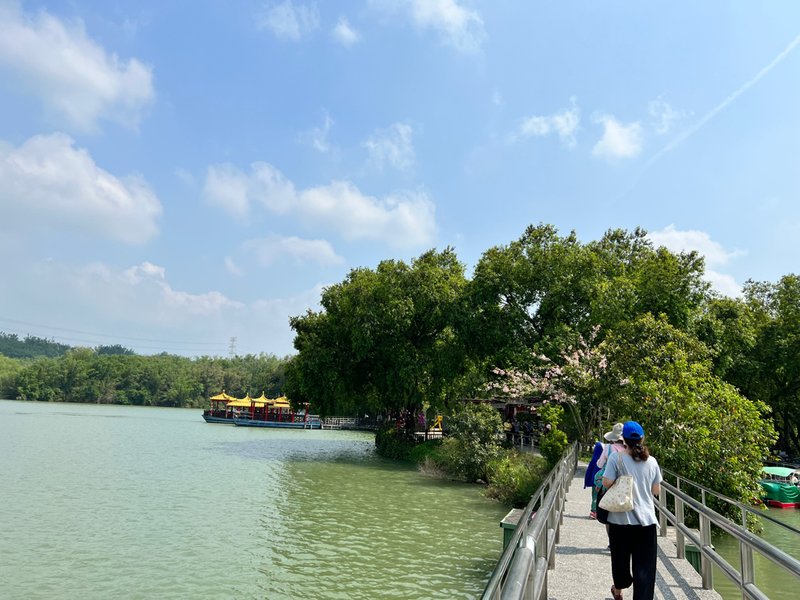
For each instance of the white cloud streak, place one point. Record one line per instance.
(280, 249)
(50, 185)
(725, 103)
(76, 79)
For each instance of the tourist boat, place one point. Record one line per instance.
(218, 413)
(259, 412)
(780, 487)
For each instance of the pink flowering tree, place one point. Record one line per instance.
(574, 381)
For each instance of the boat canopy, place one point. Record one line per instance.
(282, 402)
(245, 402)
(778, 471)
(222, 397)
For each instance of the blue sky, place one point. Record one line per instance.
(177, 174)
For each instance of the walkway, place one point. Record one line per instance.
(583, 565)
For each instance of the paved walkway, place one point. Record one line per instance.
(583, 564)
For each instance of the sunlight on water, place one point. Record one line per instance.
(132, 502)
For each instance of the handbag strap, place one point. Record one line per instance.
(621, 464)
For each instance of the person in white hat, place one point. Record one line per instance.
(594, 472)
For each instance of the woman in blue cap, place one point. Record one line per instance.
(632, 534)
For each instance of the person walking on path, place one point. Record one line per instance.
(632, 534)
(594, 472)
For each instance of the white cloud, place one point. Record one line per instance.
(459, 27)
(715, 255)
(277, 249)
(140, 302)
(392, 146)
(344, 33)
(403, 220)
(678, 140)
(48, 184)
(288, 21)
(227, 187)
(564, 123)
(317, 137)
(618, 141)
(185, 176)
(664, 115)
(497, 98)
(76, 79)
(724, 284)
(232, 267)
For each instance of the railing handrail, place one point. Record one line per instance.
(740, 505)
(531, 548)
(748, 542)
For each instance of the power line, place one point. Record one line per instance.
(117, 337)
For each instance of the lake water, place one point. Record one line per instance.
(134, 502)
(776, 583)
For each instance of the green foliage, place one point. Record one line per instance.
(515, 476)
(695, 423)
(768, 369)
(83, 375)
(30, 347)
(113, 349)
(476, 437)
(9, 368)
(552, 414)
(552, 445)
(385, 340)
(391, 442)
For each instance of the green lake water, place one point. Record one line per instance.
(134, 502)
(776, 583)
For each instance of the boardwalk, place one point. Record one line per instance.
(583, 565)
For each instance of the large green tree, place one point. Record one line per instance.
(696, 424)
(771, 371)
(384, 340)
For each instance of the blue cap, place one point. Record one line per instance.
(632, 431)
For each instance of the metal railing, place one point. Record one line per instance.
(522, 569)
(749, 543)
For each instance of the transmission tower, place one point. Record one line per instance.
(232, 347)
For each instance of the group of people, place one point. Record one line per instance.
(631, 534)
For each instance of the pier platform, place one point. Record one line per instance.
(583, 563)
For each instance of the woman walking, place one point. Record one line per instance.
(632, 534)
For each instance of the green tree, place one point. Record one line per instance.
(384, 341)
(696, 424)
(531, 295)
(771, 372)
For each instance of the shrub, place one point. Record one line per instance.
(514, 477)
(552, 445)
(393, 443)
(476, 437)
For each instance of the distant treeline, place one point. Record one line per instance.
(30, 347)
(35, 347)
(87, 375)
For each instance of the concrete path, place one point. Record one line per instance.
(583, 564)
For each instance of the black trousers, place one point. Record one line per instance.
(633, 558)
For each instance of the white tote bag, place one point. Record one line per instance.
(619, 497)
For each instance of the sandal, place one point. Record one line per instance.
(617, 594)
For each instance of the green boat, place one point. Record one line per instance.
(780, 487)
